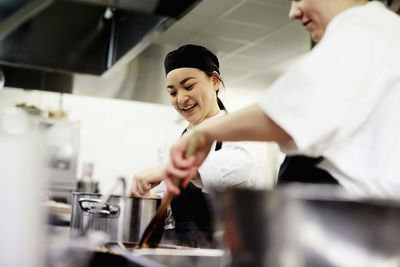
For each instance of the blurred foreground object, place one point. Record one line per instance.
(21, 163)
(2, 79)
(310, 225)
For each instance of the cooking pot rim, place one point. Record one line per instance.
(316, 192)
(98, 195)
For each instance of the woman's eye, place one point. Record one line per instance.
(189, 87)
(172, 93)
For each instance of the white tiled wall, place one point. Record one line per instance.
(119, 137)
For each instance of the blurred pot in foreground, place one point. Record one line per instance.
(309, 225)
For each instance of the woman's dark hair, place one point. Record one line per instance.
(220, 104)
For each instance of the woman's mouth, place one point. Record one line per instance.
(307, 24)
(188, 109)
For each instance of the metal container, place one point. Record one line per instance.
(311, 226)
(123, 219)
(182, 257)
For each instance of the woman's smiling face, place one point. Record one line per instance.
(193, 94)
(314, 15)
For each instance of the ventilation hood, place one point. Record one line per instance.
(79, 36)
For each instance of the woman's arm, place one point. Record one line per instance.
(145, 180)
(248, 124)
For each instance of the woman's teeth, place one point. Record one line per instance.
(188, 107)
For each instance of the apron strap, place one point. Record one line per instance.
(304, 170)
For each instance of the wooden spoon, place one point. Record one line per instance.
(154, 231)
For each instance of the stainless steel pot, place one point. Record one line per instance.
(300, 226)
(123, 219)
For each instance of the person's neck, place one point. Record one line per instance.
(346, 4)
(212, 114)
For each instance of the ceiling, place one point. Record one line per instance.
(254, 39)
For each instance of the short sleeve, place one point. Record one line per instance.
(330, 92)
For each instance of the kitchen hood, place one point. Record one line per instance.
(57, 38)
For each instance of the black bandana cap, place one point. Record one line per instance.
(191, 56)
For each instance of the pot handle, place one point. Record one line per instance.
(96, 206)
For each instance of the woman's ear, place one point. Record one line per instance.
(216, 81)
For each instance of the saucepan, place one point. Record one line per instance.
(122, 218)
(312, 225)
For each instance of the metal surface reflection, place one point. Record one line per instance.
(300, 226)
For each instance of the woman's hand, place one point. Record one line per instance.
(180, 167)
(143, 181)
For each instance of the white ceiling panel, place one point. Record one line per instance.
(286, 42)
(174, 38)
(216, 44)
(246, 63)
(214, 8)
(229, 73)
(292, 37)
(267, 16)
(192, 23)
(235, 30)
(257, 81)
(279, 3)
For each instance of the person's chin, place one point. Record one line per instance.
(316, 36)
(189, 118)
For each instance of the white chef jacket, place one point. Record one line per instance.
(237, 164)
(342, 101)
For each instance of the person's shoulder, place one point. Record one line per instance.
(372, 13)
(373, 21)
(380, 13)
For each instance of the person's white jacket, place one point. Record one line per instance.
(342, 101)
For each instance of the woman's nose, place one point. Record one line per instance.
(182, 98)
(295, 11)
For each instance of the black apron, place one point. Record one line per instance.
(193, 216)
(303, 169)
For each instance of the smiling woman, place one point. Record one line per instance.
(193, 82)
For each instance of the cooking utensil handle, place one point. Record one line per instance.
(189, 152)
(91, 200)
(99, 208)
